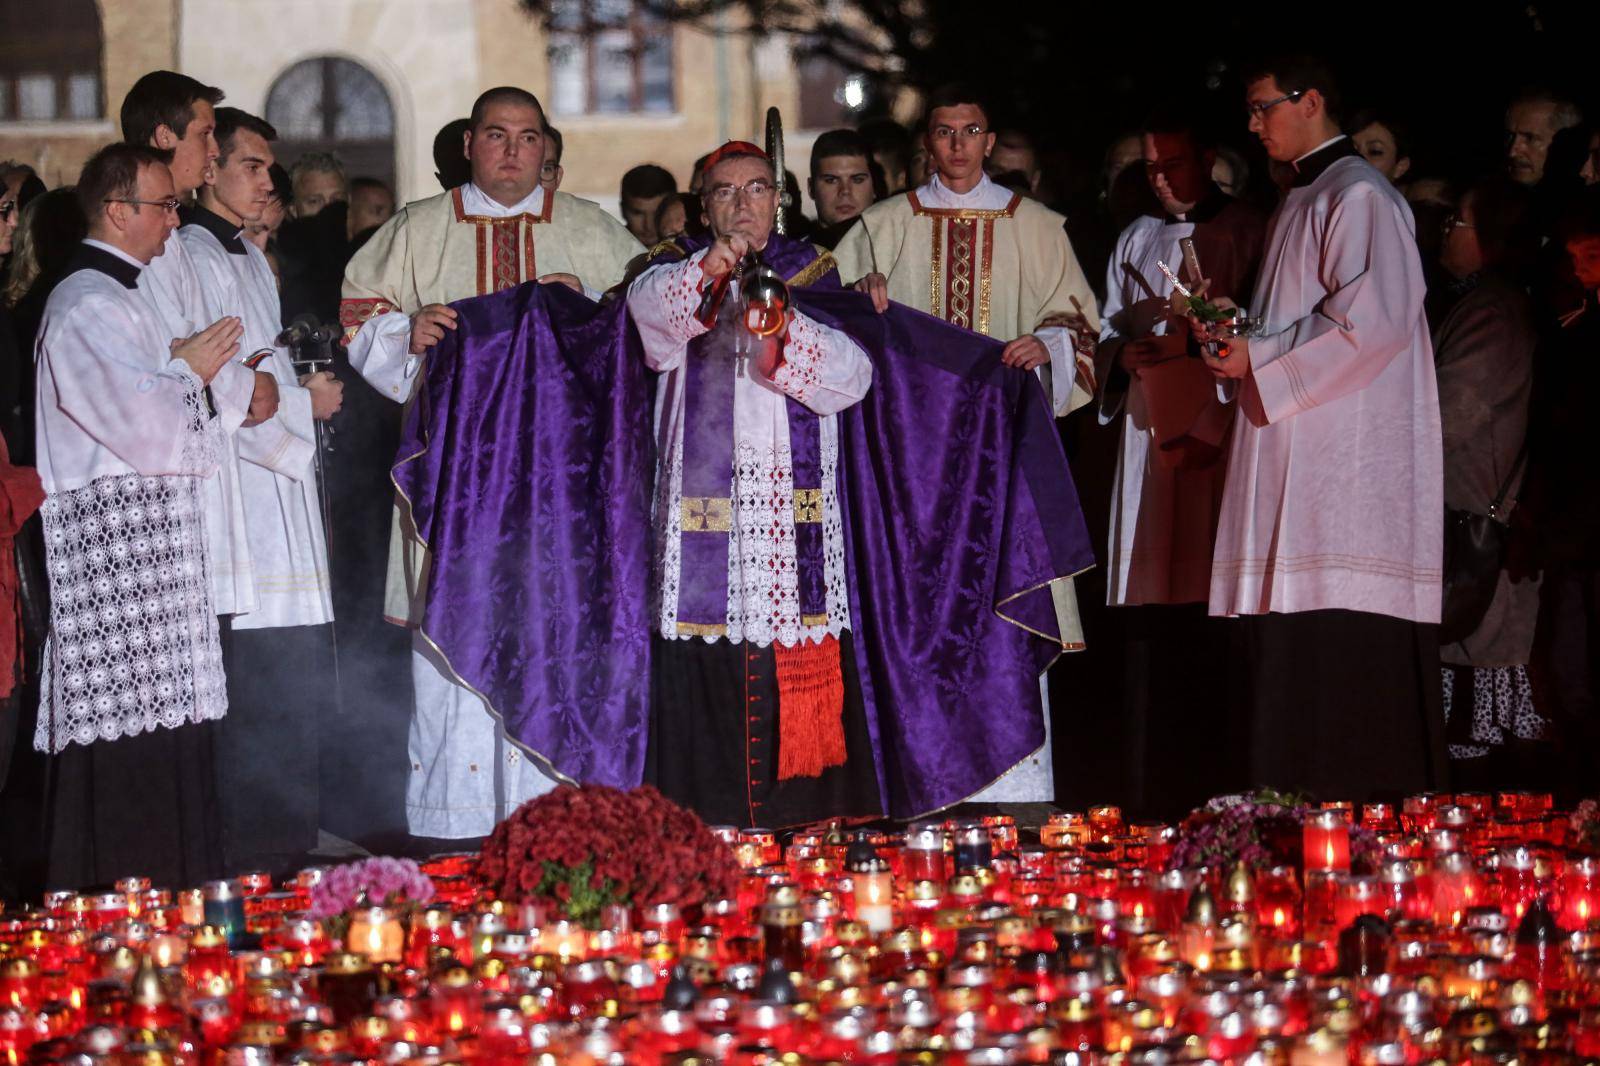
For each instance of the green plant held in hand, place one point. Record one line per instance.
(1206, 311)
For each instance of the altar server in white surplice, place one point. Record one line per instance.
(132, 678)
(281, 680)
(176, 114)
(1170, 466)
(499, 230)
(1330, 537)
(978, 255)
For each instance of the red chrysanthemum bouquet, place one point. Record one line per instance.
(583, 848)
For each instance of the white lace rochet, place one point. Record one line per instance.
(133, 641)
(763, 578)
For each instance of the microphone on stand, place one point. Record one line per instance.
(296, 333)
(310, 345)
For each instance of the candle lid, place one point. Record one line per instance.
(343, 964)
(1516, 857)
(218, 891)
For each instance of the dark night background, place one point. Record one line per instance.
(1077, 75)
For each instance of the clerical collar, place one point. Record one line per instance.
(474, 201)
(1309, 167)
(984, 195)
(114, 263)
(1209, 207)
(229, 235)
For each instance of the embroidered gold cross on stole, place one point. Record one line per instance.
(707, 514)
(807, 505)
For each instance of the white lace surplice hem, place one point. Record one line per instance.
(763, 577)
(133, 642)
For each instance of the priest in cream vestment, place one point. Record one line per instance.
(498, 231)
(978, 255)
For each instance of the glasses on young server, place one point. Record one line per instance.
(752, 190)
(1256, 110)
(165, 205)
(969, 132)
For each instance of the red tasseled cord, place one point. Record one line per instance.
(810, 708)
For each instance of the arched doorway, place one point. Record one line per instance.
(333, 104)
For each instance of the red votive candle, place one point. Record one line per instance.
(1579, 892)
(1278, 903)
(1358, 894)
(1327, 841)
(1105, 823)
(1321, 902)
(1519, 880)
(1419, 813)
(923, 855)
(1456, 889)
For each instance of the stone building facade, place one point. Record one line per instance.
(416, 65)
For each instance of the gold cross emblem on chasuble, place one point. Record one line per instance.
(807, 505)
(707, 514)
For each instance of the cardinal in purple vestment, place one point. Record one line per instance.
(782, 577)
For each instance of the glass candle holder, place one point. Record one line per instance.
(457, 1005)
(1457, 888)
(566, 941)
(1359, 893)
(1579, 892)
(348, 985)
(923, 857)
(1519, 881)
(1171, 896)
(1321, 903)
(433, 927)
(1064, 829)
(1418, 813)
(1326, 837)
(376, 934)
(1105, 823)
(1002, 832)
(224, 909)
(974, 850)
(1380, 817)
(874, 898)
(1278, 903)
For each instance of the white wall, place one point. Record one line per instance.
(424, 51)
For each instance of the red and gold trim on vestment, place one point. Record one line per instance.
(353, 314)
(505, 253)
(961, 280)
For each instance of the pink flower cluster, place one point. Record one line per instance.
(379, 880)
(1263, 829)
(1585, 824)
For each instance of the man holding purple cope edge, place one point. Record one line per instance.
(816, 583)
